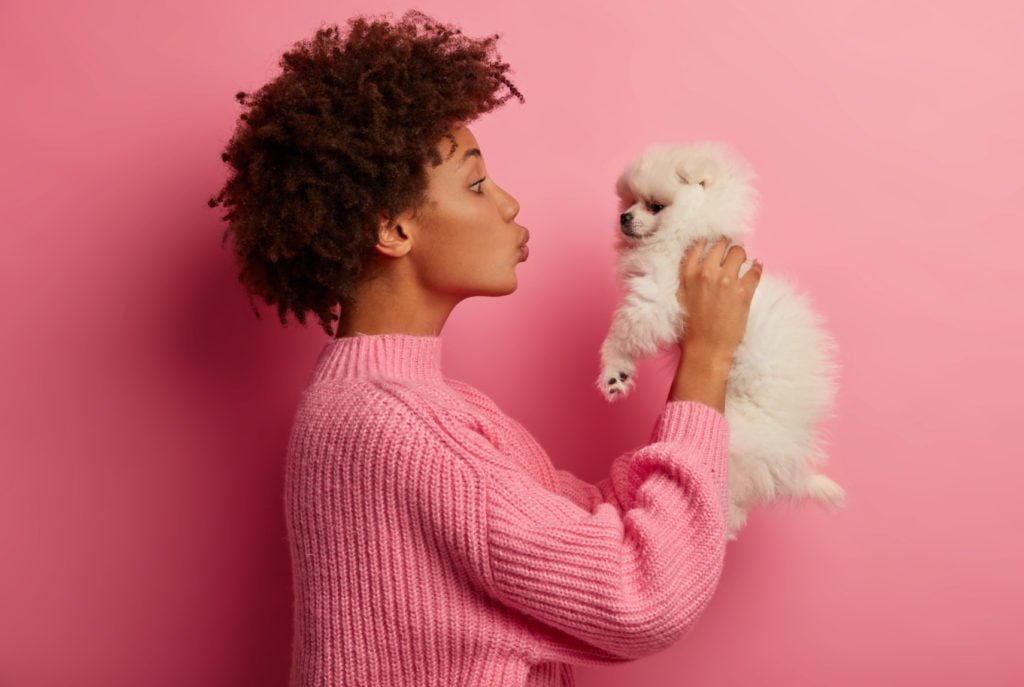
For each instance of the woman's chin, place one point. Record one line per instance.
(510, 286)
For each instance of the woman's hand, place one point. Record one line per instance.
(716, 299)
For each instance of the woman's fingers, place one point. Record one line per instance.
(692, 257)
(714, 256)
(734, 258)
(753, 277)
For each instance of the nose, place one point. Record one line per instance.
(626, 223)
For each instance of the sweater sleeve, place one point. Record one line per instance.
(589, 495)
(583, 493)
(630, 572)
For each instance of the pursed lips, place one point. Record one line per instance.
(524, 249)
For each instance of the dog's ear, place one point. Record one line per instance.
(622, 187)
(700, 172)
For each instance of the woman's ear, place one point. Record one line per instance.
(392, 239)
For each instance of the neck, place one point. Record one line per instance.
(393, 303)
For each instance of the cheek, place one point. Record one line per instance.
(461, 256)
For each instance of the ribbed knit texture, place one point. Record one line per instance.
(433, 541)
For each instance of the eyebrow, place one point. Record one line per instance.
(471, 151)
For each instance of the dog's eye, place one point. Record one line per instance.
(655, 207)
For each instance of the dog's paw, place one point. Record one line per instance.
(615, 383)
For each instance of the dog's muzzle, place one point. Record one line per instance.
(626, 224)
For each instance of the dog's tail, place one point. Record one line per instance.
(825, 491)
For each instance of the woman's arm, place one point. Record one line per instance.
(584, 493)
(626, 578)
(701, 375)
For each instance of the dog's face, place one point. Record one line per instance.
(684, 191)
(648, 191)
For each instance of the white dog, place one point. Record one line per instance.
(782, 381)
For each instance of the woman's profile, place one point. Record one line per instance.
(432, 539)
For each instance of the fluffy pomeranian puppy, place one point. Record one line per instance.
(783, 379)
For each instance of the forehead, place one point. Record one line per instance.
(464, 152)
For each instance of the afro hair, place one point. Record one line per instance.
(341, 136)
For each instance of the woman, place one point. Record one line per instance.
(432, 539)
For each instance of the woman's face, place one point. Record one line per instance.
(466, 241)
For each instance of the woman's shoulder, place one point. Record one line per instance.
(472, 395)
(455, 417)
(365, 402)
(355, 393)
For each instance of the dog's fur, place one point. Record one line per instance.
(783, 378)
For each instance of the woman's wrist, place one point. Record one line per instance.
(701, 376)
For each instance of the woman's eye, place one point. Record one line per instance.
(477, 184)
(656, 207)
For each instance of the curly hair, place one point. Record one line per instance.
(342, 135)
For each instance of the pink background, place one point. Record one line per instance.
(145, 410)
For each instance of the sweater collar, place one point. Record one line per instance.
(392, 355)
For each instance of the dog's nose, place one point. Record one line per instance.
(626, 223)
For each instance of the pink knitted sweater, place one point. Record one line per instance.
(433, 542)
